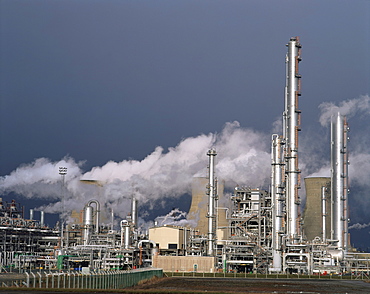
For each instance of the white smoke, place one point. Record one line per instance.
(356, 110)
(175, 217)
(243, 157)
(359, 226)
(348, 108)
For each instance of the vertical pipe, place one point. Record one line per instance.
(345, 183)
(112, 219)
(277, 197)
(339, 170)
(134, 212)
(125, 234)
(42, 218)
(324, 214)
(31, 214)
(291, 124)
(211, 202)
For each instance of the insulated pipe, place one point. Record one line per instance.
(324, 214)
(211, 202)
(154, 249)
(291, 127)
(339, 172)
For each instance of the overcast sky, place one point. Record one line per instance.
(83, 83)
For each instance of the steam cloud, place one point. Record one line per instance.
(243, 158)
(358, 226)
(348, 108)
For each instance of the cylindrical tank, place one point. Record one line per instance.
(88, 222)
(97, 214)
(337, 255)
(125, 234)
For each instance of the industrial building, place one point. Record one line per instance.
(253, 230)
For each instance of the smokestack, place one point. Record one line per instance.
(339, 176)
(277, 197)
(134, 212)
(31, 214)
(291, 118)
(211, 202)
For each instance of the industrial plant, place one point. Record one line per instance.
(253, 230)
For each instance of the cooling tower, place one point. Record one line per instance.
(314, 216)
(199, 205)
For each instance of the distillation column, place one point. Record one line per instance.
(291, 127)
(211, 202)
(277, 198)
(339, 179)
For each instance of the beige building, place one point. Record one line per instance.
(313, 216)
(185, 263)
(169, 237)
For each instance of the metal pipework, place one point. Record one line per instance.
(291, 117)
(339, 172)
(125, 234)
(134, 212)
(211, 202)
(324, 214)
(88, 222)
(277, 197)
(88, 219)
(97, 217)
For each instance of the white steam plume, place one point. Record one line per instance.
(347, 108)
(243, 157)
(175, 217)
(359, 226)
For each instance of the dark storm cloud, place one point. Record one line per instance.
(112, 80)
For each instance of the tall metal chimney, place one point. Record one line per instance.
(211, 203)
(134, 212)
(277, 197)
(291, 117)
(339, 180)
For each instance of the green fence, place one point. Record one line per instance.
(93, 280)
